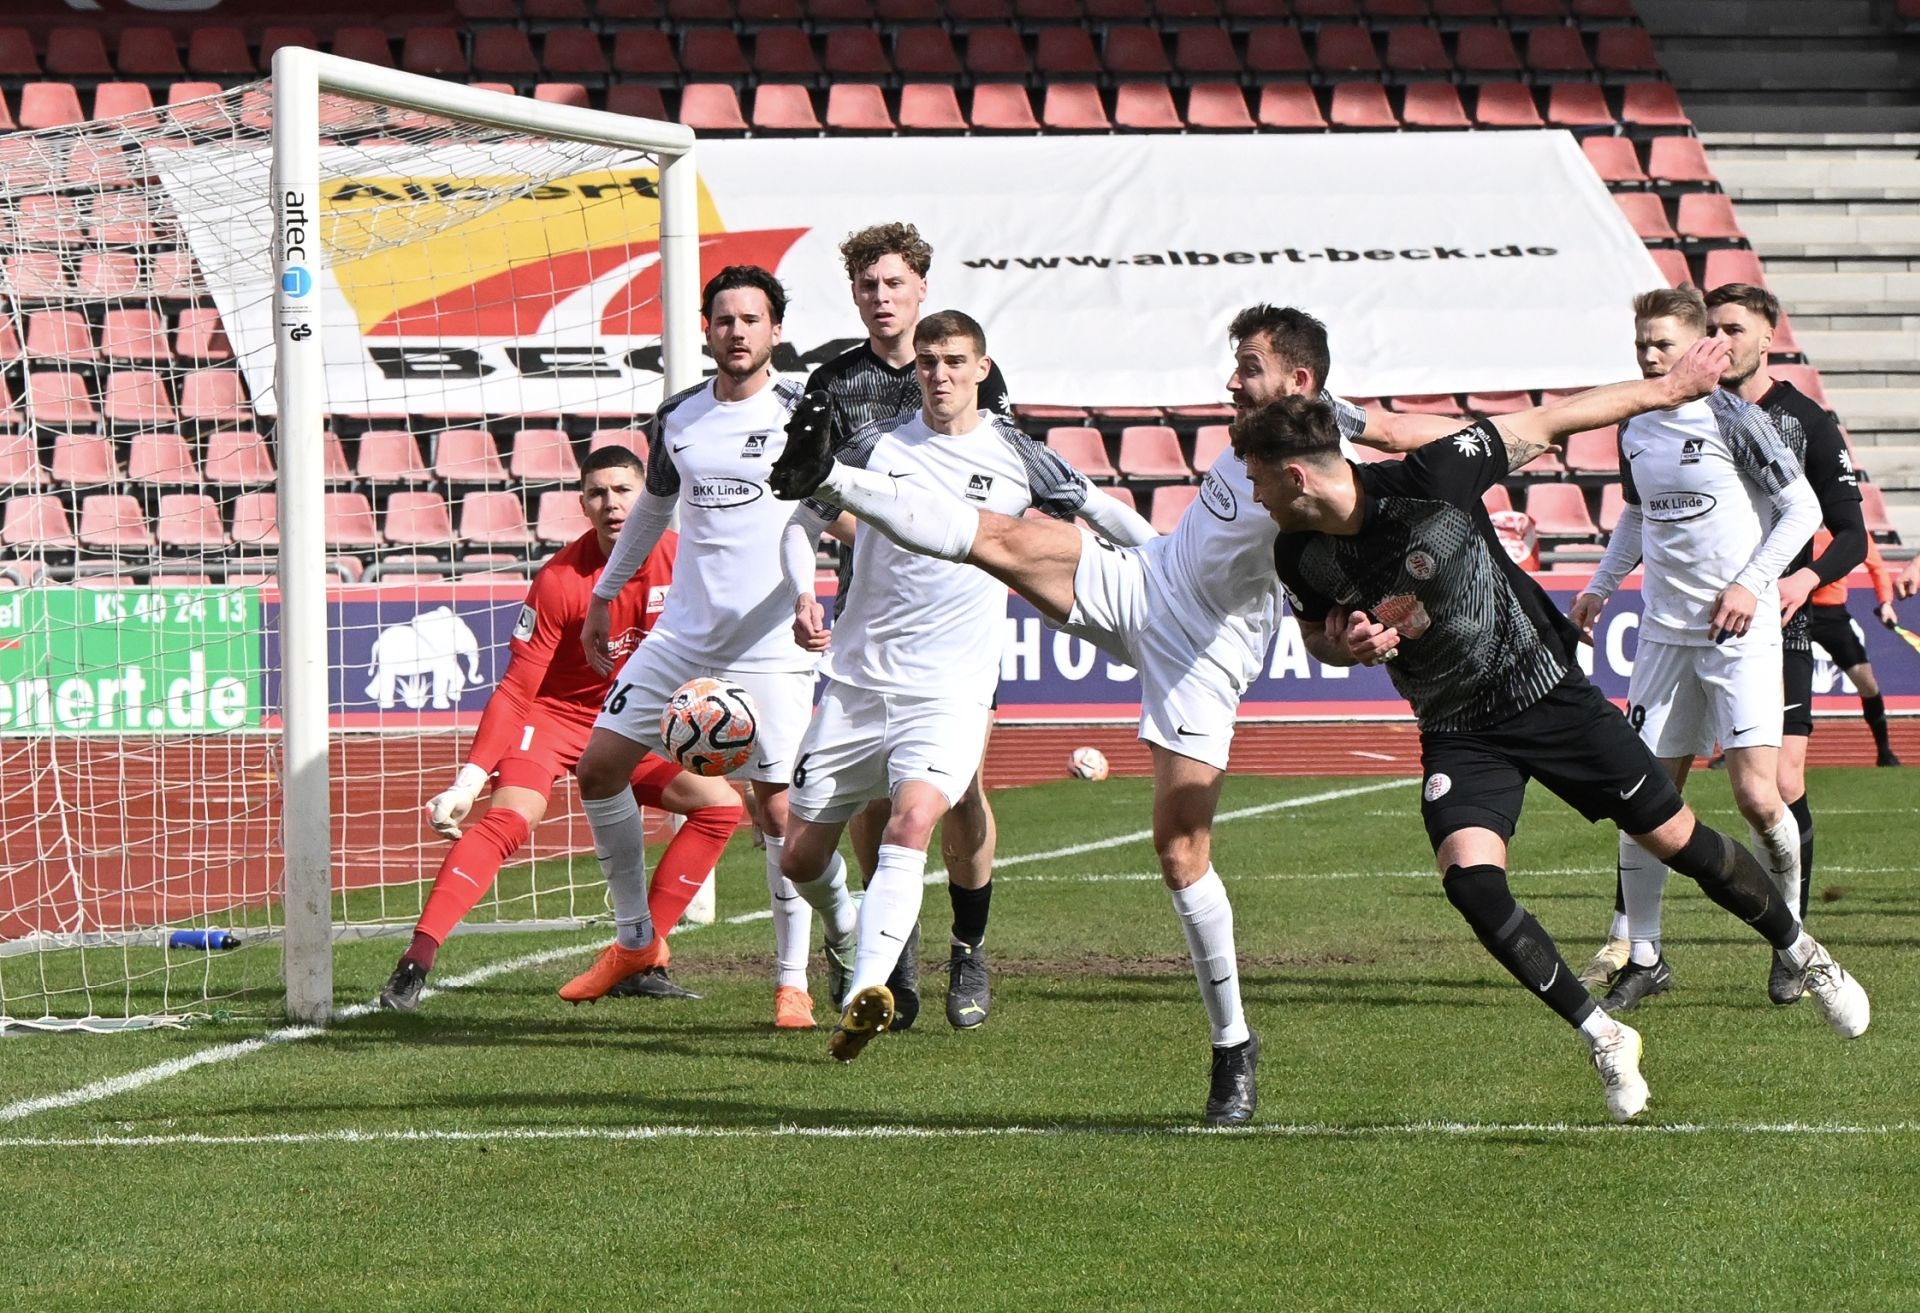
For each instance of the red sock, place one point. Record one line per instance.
(469, 871)
(690, 854)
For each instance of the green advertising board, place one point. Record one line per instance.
(129, 661)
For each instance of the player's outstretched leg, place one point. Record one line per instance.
(1643, 884)
(888, 915)
(465, 875)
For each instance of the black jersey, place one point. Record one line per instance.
(1479, 639)
(1816, 440)
(866, 389)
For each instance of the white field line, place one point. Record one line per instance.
(133, 1080)
(1280, 1130)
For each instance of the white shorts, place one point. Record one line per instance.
(784, 699)
(1685, 700)
(863, 745)
(1188, 700)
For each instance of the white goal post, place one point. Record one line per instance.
(300, 78)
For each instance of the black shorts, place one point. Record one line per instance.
(1796, 669)
(1572, 740)
(1832, 628)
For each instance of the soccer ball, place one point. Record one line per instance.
(709, 726)
(1087, 764)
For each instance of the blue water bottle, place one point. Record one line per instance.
(206, 940)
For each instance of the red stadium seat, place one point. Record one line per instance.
(418, 519)
(961, 15)
(1136, 52)
(390, 456)
(1085, 450)
(1724, 266)
(17, 57)
(925, 54)
(200, 339)
(1065, 52)
(214, 396)
(543, 456)
(567, 55)
(238, 458)
(1394, 11)
(37, 276)
(256, 520)
(1277, 52)
(550, 93)
(1002, 107)
(272, 38)
(711, 107)
(1290, 105)
(1594, 452)
(1417, 49)
(1613, 500)
(1652, 105)
(644, 54)
(1218, 107)
(77, 52)
(467, 456)
(60, 399)
(1345, 50)
(1559, 510)
(37, 523)
(108, 276)
(121, 219)
(783, 107)
(349, 523)
(1101, 13)
(1433, 105)
(1361, 105)
(137, 397)
(996, 53)
(219, 52)
(930, 107)
(437, 52)
(136, 337)
(20, 467)
(685, 13)
(369, 45)
(496, 519)
(84, 460)
(839, 13)
(1487, 51)
(1036, 14)
(60, 335)
(1497, 499)
(1498, 403)
(112, 100)
(1577, 105)
(113, 522)
(560, 519)
(1073, 107)
(1205, 52)
(713, 53)
(784, 54)
(1151, 451)
(642, 102)
(1557, 52)
(162, 459)
(1647, 215)
(1673, 266)
(539, 13)
(1208, 442)
(1170, 502)
(50, 105)
(855, 54)
(1322, 11)
(1678, 159)
(1145, 107)
(1442, 403)
(857, 107)
(1546, 465)
(1613, 158)
(189, 522)
(1625, 50)
(1708, 216)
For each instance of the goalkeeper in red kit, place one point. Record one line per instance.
(539, 719)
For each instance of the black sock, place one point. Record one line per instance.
(1875, 710)
(970, 912)
(1517, 941)
(1730, 875)
(1803, 817)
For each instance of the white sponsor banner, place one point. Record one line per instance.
(1105, 269)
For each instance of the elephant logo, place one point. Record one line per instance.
(420, 661)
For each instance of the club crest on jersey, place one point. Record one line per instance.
(756, 446)
(657, 598)
(720, 494)
(979, 487)
(1420, 564)
(1217, 497)
(1404, 613)
(1690, 450)
(1437, 786)
(1675, 507)
(523, 627)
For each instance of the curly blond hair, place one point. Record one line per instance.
(864, 248)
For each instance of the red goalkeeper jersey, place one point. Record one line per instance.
(547, 669)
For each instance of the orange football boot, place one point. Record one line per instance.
(614, 965)
(792, 1008)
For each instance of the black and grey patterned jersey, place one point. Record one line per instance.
(1479, 640)
(1810, 431)
(866, 388)
(1057, 488)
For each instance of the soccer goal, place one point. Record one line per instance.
(295, 383)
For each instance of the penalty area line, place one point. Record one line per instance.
(1279, 1130)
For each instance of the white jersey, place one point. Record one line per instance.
(917, 625)
(1215, 570)
(729, 607)
(1704, 477)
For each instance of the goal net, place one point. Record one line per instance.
(296, 382)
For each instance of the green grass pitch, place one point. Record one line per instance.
(1429, 1137)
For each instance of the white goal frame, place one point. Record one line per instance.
(299, 78)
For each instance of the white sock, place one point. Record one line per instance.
(1643, 881)
(1206, 918)
(1618, 930)
(920, 518)
(1802, 951)
(792, 922)
(1598, 1026)
(888, 913)
(1779, 851)
(827, 894)
(620, 842)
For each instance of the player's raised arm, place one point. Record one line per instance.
(1530, 432)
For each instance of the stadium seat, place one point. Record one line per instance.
(188, 522)
(1433, 105)
(37, 276)
(1085, 450)
(121, 218)
(855, 54)
(218, 52)
(1497, 499)
(930, 107)
(1647, 215)
(256, 520)
(1547, 465)
(634, 440)
(161, 459)
(711, 107)
(839, 13)
(1326, 11)
(1678, 159)
(1625, 50)
(1290, 105)
(10, 351)
(784, 54)
(559, 519)
(1002, 107)
(754, 15)
(20, 467)
(1185, 13)
(1594, 453)
(961, 15)
(1673, 265)
(1497, 403)
(150, 52)
(437, 52)
(1557, 52)
(997, 54)
(1036, 14)
(1733, 266)
(77, 52)
(238, 458)
(1559, 510)
(1487, 51)
(1218, 107)
(349, 523)
(1151, 451)
(95, 165)
(272, 38)
(108, 276)
(1344, 51)
(1652, 105)
(199, 339)
(37, 522)
(543, 456)
(84, 460)
(137, 398)
(1277, 52)
(645, 54)
(858, 107)
(112, 100)
(1361, 105)
(1416, 49)
(190, 110)
(925, 54)
(1441, 403)
(713, 53)
(642, 102)
(1136, 52)
(50, 105)
(467, 456)
(418, 519)
(1205, 52)
(1065, 52)
(1145, 107)
(1530, 13)
(1073, 107)
(137, 337)
(568, 55)
(1613, 500)
(1614, 159)
(60, 399)
(62, 335)
(1708, 216)
(551, 93)
(113, 522)
(390, 456)
(17, 56)
(1208, 442)
(496, 519)
(783, 107)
